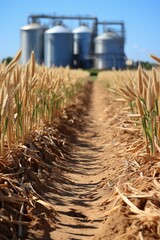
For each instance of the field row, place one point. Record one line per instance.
(31, 95)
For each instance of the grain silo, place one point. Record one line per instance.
(32, 40)
(109, 51)
(58, 46)
(82, 45)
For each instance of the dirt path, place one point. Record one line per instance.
(79, 207)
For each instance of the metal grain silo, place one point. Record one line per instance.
(32, 39)
(82, 45)
(109, 51)
(58, 46)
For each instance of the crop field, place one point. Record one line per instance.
(79, 158)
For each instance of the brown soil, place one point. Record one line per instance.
(81, 214)
(90, 166)
(91, 170)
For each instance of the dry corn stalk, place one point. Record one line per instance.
(32, 94)
(142, 91)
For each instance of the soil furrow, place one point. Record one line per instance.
(80, 215)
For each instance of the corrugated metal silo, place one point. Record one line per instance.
(82, 45)
(109, 51)
(58, 46)
(32, 39)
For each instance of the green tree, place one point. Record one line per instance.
(7, 60)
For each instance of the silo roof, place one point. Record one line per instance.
(107, 35)
(31, 26)
(82, 29)
(58, 29)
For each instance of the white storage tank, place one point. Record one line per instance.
(32, 39)
(82, 45)
(109, 51)
(58, 46)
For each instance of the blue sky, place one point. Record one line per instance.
(141, 18)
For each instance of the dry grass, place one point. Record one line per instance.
(141, 89)
(139, 190)
(31, 95)
(30, 170)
